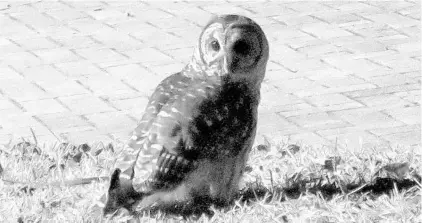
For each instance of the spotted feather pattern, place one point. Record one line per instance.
(197, 116)
(208, 119)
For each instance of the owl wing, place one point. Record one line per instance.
(204, 120)
(158, 154)
(186, 120)
(121, 192)
(172, 85)
(167, 152)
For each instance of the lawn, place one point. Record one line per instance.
(282, 183)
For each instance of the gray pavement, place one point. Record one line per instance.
(345, 72)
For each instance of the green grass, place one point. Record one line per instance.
(281, 184)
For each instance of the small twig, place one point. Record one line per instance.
(335, 147)
(417, 182)
(272, 182)
(354, 191)
(33, 136)
(91, 157)
(338, 183)
(23, 139)
(254, 193)
(74, 182)
(34, 175)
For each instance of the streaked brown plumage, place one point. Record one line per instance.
(192, 143)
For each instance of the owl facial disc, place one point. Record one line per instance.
(234, 46)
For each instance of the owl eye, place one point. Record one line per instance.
(242, 47)
(215, 45)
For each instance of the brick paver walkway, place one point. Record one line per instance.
(82, 71)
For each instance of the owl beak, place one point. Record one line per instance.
(221, 61)
(225, 68)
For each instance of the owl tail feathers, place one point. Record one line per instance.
(128, 156)
(120, 194)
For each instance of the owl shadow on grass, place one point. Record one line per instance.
(390, 179)
(384, 182)
(257, 192)
(381, 185)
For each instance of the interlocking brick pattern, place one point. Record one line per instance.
(339, 72)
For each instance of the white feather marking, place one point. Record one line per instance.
(156, 125)
(180, 159)
(164, 114)
(194, 129)
(144, 134)
(244, 133)
(173, 109)
(157, 147)
(152, 137)
(195, 163)
(235, 120)
(209, 122)
(124, 176)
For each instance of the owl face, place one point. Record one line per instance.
(235, 46)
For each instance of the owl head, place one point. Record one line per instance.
(234, 47)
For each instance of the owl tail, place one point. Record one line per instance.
(120, 194)
(125, 163)
(128, 156)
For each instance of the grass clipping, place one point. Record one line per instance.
(281, 184)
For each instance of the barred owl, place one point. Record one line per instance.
(192, 143)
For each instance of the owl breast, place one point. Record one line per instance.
(224, 121)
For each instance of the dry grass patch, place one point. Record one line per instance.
(281, 184)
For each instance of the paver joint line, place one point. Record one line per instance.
(337, 71)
